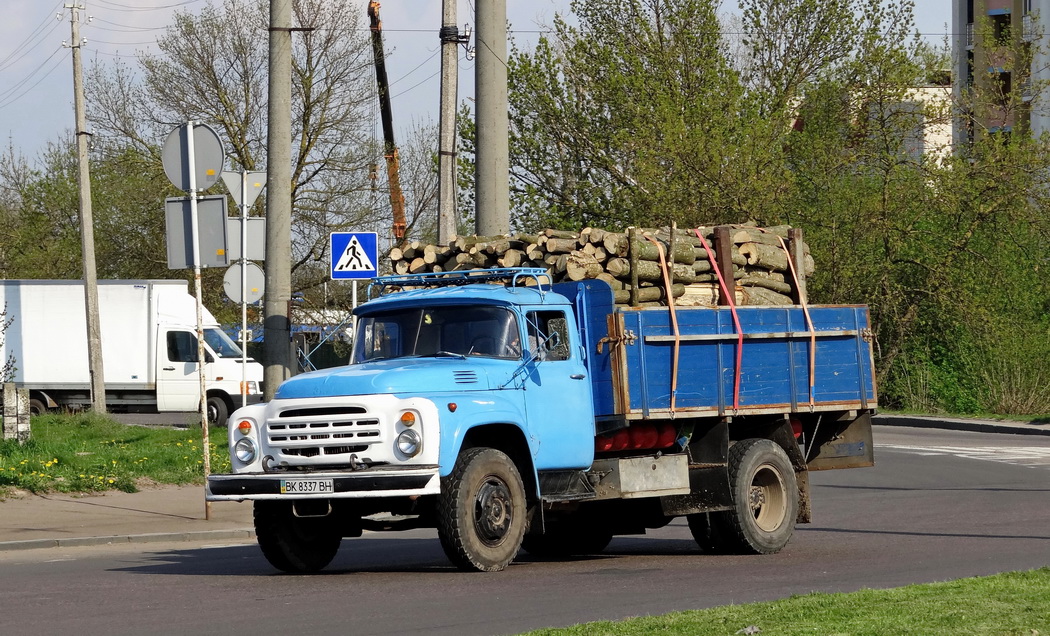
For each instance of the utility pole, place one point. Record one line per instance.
(447, 213)
(492, 207)
(87, 231)
(277, 333)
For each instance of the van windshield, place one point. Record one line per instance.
(221, 344)
(431, 331)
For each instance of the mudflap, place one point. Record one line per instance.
(845, 443)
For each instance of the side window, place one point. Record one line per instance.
(549, 335)
(182, 346)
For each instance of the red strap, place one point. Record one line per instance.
(731, 297)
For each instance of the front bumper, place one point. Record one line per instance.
(348, 484)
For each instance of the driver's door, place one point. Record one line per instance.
(558, 393)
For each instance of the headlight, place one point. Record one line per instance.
(244, 450)
(409, 442)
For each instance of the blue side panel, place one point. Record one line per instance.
(592, 302)
(774, 366)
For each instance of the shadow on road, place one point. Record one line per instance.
(403, 555)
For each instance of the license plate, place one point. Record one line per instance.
(306, 486)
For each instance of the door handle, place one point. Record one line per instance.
(577, 376)
(169, 368)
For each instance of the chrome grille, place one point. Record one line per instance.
(312, 432)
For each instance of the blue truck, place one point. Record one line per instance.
(508, 412)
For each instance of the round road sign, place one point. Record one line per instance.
(208, 157)
(231, 283)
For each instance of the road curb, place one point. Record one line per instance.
(958, 424)
(158, 537)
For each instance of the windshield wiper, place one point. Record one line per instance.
(445, 354)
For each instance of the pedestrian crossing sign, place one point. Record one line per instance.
(354, 255)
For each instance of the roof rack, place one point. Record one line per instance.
(509, 276)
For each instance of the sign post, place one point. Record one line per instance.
(238, 185)
(188, 164)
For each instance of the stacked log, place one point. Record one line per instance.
(630, 260)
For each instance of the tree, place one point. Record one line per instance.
(211, 68)
(639, 116)
(634, 116)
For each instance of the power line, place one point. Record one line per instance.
(424, 81)
(139, 8)
(10, 100)
(126, 27)
(415, 69)
(123, 43)
(21, 48)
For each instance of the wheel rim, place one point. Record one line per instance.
(492, 511)
(767, 498)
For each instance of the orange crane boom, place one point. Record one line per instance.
(393, 163)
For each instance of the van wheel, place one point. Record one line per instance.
(37, 407)
(481, 511)
(765, 497)
(218, 411)
(294, 544)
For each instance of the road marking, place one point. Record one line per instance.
(1033, 457)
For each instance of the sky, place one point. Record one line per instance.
(36, 85)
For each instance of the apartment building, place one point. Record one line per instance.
(1000, 61)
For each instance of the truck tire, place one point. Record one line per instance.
(218, 410)
(765, 498)
(481, 511)
(710, 531)
(294, 544)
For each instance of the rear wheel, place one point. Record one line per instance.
(709, 530)
(481, 511)
(294, 544)
(37, 407)
(765, 497)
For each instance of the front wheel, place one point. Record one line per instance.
(294, 544)
(481, 511)
(218, 411)
(765, 497)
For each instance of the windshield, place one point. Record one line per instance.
(432, 331)
(221, 344)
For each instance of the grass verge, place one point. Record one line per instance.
(92, 453)
(1014, 603)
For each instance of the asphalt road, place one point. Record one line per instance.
(938, 505)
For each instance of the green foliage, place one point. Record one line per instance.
(1011, 603)
(644, 114)
(88, 452)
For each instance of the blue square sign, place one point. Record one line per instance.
(354, 255)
